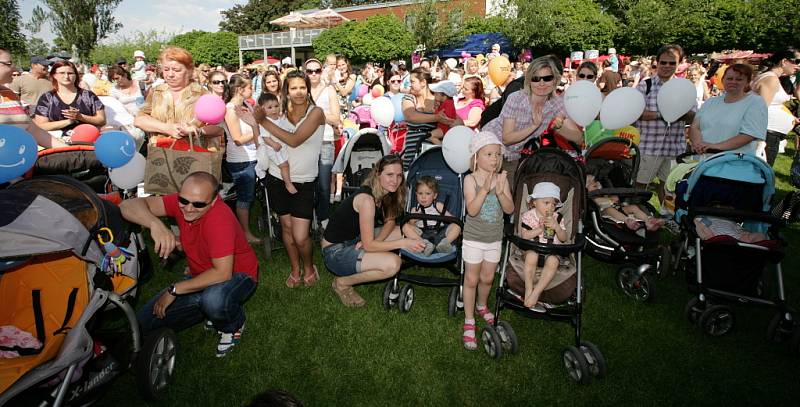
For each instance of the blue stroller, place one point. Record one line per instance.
(431, 163)
(732, 190)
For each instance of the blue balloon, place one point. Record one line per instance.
(17, 152)
(115, 148)
(397, 101)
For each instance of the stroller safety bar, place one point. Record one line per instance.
(626, 192)
(545, 248)
(407, 217)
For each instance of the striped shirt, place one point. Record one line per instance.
(655, 138)
(518, 107)
(11, 110)
(417, 132)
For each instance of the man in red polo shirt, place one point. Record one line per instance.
(223, 267)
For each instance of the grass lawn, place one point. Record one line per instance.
(306, 342)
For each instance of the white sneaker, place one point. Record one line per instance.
(227, 341)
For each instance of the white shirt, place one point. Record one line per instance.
(235, 153)
(303, 159)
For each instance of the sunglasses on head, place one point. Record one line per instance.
(314, 71)
(546, 78)
(670, 63)
(199, 205)
(585, 76)
(217, 82)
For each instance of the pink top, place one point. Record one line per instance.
(463, 112)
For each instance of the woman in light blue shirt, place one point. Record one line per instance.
(733, 121)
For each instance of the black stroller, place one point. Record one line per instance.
(357, 157)
(614, 163)
(723, 270)
(431, 163)
(564, 295)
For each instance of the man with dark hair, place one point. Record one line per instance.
(223, 268)
(660, 142)
(30, 87)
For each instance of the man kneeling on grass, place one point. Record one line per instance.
(223, 269)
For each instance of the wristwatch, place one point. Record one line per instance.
(172, 291)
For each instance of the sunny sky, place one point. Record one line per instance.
(145, 15)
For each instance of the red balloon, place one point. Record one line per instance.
(85, 133)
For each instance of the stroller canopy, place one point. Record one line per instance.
(738, 167)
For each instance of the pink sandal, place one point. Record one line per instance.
(484, 313)
(470, 342)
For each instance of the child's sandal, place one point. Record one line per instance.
(470, 340)
(484, 313)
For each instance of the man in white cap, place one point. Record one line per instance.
(138, 71)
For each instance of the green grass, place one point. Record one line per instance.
(306, 342)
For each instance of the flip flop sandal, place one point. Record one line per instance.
(314, 278)
(348, 296)
(293, 282)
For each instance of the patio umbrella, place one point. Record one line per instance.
(294, 21)
(326, 18)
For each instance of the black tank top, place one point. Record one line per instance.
(343, 225)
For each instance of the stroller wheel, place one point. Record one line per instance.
(637, 286)
(389, 296)
(576, 364)
(717, 320)
(508, 337)
(155, 365)
(693, 310)
(780, 327)
(597, 363)
(454, 304)
(491, 342)
(406, 300)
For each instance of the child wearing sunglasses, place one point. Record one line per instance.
(271, 150)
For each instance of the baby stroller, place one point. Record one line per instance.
(450, 184)
(63, 294)
(358, 156)
(77, 161)
(564, 295)
(723, 270)
(614, 162)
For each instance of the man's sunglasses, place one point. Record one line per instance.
(546, 78)
(199, 204)
(313, 71)
(585, 76)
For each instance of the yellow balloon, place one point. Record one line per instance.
(377, 91)
(499, 70)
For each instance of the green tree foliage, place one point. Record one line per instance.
(433, 28)
(219, 48)
(150, 42)
(377, 38)
(766, 25)
(561, 26)
(479, 25)
(10, 36)
(82, 23)
(254, 17)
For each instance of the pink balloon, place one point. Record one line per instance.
(363, 90)
(210, 109)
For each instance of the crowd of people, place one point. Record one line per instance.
(283, 123)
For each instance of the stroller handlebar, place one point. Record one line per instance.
(625, 192)
(546, 248)
(682, 157)
(424, 216)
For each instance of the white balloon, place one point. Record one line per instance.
(621, 107)
(455, 148)
(382, 111)
(129, 175)
(367, 99)
(582, 101)
(675, 98)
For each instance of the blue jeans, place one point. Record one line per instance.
(322, 206)
(244, 176)
(220, 303)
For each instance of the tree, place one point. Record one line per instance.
(150, 42)
(561, 26)
(82, 23)
(37, 46)
(10, 36)
(432, 28)
(378, 38)
(219, 48)
(254, 17)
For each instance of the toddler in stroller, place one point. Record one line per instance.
(543, 223)
(622, 212)
(436, 235)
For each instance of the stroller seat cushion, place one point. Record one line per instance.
(434, 258)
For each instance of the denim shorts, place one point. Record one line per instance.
(244, 176)
(343, 259)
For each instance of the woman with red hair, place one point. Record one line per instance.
(67, 105)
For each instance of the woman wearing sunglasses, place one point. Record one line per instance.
(217, 82)
(768, 85)
(325, 98)
(394, 81)
(528, 113)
